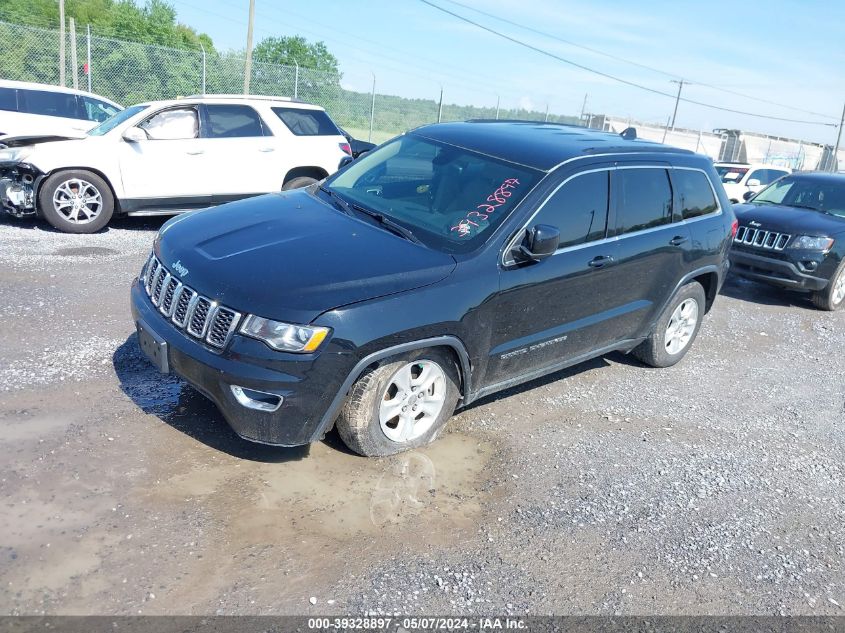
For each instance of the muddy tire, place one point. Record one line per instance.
(401, 404)
(76, 201)
(833, 297)
(298, 183)
(676, 328)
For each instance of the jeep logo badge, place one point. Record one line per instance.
(179, 268)
(752, 223)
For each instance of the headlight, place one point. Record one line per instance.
(14, 154)
(810, 243)
(284, 337)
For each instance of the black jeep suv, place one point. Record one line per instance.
(454, 261)
(792, 235)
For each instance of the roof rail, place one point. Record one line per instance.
(242, 96)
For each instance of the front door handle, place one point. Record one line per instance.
(601, 261)
(195, 152)
(678, 240)
(267, 149)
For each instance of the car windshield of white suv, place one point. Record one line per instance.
(731, 174)
(822, 195)
(113, 121)
(448, 197)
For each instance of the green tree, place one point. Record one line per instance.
(287, 50)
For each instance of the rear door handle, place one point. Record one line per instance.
(677, 240)
(601, 261)
(267, 149)
(195, 152)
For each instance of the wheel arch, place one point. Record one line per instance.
(451, 343)
(93, 170)
(308, 171)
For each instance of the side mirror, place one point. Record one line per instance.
(540, 242)
(345, 161)
(748, 195)
(753, 183)
(134, 135)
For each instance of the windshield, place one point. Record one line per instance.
(451, 198)
(731, 173)
(818, 194)
(113, 121)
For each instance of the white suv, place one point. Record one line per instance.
(167, 157)
(30, 109)
(741, 178)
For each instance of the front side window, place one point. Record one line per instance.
(46, 103)
(578, 209)
(232, 121)
(451, 198)
(305, 122)
(97, 110)
(172, 125)
(694, 193)
(645, 199)
(8, 99)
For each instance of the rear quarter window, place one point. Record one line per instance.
(48, 103)
(695, 194)
(303, 122)
(9, 99)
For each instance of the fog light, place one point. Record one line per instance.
(808, 266)
(258, 400)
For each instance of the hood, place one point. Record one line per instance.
(36, 139)
(790, 220)
(290, 257)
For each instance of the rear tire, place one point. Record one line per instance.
(833, 297)
(298, 183)
(676, 328)
(401, 404)
(76, 201)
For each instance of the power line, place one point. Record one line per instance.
(613, 77)
(639, 65)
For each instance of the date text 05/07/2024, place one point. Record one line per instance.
(416, 624)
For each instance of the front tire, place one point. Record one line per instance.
(402, 403)
(676, 328)
(833, 297)
(76, 201)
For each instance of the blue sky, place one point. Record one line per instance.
(787, 52)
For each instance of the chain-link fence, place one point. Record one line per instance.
(129, 72)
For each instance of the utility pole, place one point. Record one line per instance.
(62, 38)
(838, 140)
(73, 59)
(584, 107)
(546, 120)
(677, 100)
(248, 62)
(497, 107)
(89, 58)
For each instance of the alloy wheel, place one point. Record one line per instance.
(412, 400)
(681, 326)
(77, 201)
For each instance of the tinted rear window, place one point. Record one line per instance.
(304, 122)
(645, 199)
(694, 193)
(8, 99)
(578, 209)
(49, 103)
(233, 121)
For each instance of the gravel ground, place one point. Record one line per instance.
(714, 487)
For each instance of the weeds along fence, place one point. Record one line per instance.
(130, 72)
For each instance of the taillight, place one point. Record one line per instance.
(734, 228)
(346, 149)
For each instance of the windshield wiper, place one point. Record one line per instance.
(340, 203)
(805, 206)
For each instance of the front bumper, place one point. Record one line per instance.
(306, 382)
(777, 272)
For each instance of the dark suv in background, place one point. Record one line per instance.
(792, 235)
(452, 262)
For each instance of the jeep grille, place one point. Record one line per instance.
(191, 312)
(761, 238)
